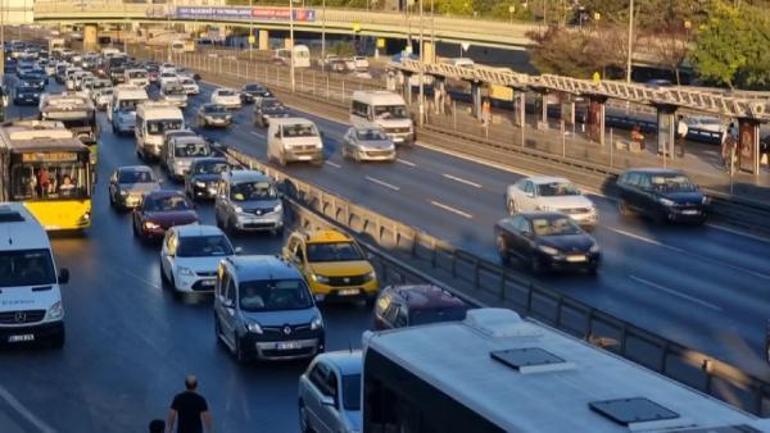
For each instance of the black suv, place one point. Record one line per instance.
(661, 194)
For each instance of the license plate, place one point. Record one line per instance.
(208, 283)
(287, 345)
(348, 292)
(576, 259)
(21, 338)
(690, 212)
(304, 158)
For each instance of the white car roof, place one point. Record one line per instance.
(542, 180)
(194, 230)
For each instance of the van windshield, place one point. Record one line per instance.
(390, 112)
(127, 104)
(159, 126)
(253, 191)
(191, 150)
(291, 131)
(274, 295)
(26, 268)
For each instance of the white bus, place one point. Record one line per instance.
(384, 109)
(495, 372)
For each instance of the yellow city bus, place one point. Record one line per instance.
(44, 166)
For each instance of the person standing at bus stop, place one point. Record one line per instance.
(681, 136)
(189, 410)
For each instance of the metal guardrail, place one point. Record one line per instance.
(482, 278)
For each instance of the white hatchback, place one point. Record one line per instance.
(551, 194)
(190, 256)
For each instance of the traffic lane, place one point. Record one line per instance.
(138, 341)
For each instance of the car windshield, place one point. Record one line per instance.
(557, 189)
(225, 93)
(390, 112)
(187, 81)
(351, 392)
(214, 109)
(26, 268)
(136, 176)
(555, 226)
(210, 167)
(127, 104)
(254, 88)
(274, 295)
(191, 150)
(158, 126)
(299, 130)
(424, 316)
(672, 183)
(333, 252)
(246, 191)
(166, 204)
(24, 88)
(272, 104)
(370, 134)
(204, 246)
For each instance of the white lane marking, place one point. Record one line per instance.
(675, 293)
(257, 134)
(451, 209)
(461, 180)
(24, 412)
(382, 183)
(140, 279)
(691, 254)
(738, 232)
(405, 162)
(333, 164)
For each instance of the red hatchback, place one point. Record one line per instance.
(409, 305)
(161, 210)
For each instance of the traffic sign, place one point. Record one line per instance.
(252, 40)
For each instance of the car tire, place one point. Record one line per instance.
(511, 206)
(624, 209)
(58, 340)
(593, 270)
(502, 251)
(218, 332)
(282, 161)
(112, 200)
(304, 422)
(133, 229)
(238, 353)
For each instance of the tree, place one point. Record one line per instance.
(671, 46)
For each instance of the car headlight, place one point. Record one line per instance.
(666, 202)
(370, 276)
(320, 279)
(200, 184)
(238, 209)
(149, 225)
(254, 327)
(278, 207)
(317, 323)
(594, 248)
(56, 311)
(548, 250)
(123, 193)
(86, 216)
(185, 272)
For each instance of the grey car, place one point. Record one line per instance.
(128, 186)
(247, 200)
(263, 310)
(330, 394)
(210, 115)
(368, 143)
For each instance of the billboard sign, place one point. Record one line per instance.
(243, 13)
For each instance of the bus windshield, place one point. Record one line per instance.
(50, 181)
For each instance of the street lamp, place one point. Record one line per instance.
(251, 30)
(630, 40)
(323, 36)
(291, 43)
(421, 77)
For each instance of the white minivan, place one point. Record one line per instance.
(122, 108)
(386, 110)
(153, 118)
(294, 139)
(31, 308)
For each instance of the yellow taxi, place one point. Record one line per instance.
(334, 265)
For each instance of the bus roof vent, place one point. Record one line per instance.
(32, 134)
(638, 413)
(531, 360)
(499, 323)
(8, 215)
(742, 428)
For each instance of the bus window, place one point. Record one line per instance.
(49, 181)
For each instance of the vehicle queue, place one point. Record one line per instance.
(267, 307)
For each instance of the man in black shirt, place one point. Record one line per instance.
(190, 409)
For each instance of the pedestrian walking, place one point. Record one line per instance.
(189, 411)
(728, 145)
(681, 131)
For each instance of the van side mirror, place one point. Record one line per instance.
(238, 250)
(64, 276)
(228, 303)
(327, 400)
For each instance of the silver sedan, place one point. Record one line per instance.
(368, 144)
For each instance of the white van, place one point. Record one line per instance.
(172, 92)
(110, 52)
(301, 56)
(386, 110)
(136, 77)
(153, 118)
(294, 139)
(31, 308)
(122, 108)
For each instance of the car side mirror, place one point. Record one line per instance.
(228, 303)
(328, 401)
(64, 276)
(238, 250)
(531, 194)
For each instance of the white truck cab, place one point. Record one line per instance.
(294, 139)
(386, 110)
(153, 118)
(31, 308)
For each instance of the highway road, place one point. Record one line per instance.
(701, 286)
(130, 343)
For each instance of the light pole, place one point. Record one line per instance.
(291, 43)
(251, 30)
(2, 44)
(630, 40)
(421, 103)
(323, 36)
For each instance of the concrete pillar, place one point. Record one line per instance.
(567, 109)
(476, 100)
(543, 123)
(748, 145)
(595, 118)
(407, 87)
(429, 53)
(287, 43)
(90, 37)
(521, 109)
(666, 130)
(264, 40)
(439, 94)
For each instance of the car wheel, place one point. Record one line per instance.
(502, 250)
(511, 206)
(112, 200)
(535, 266)
(304, 420)
(57, 341)
(239, 353)
(114, 129)
(282, 160)
(624, 209)
(593, 270)
(134, 229)
(218, 332)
